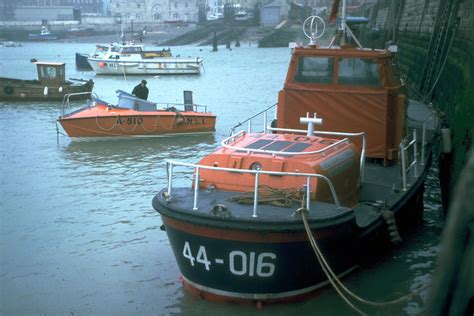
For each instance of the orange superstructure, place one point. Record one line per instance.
(353, 89)
(336, 159)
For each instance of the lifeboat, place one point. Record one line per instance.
(273, 215)
(134, 117)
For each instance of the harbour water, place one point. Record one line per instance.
(78, 234)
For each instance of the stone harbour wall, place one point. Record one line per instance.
(435, 41)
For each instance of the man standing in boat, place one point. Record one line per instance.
(140, 90)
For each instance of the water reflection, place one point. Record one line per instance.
(140, 150)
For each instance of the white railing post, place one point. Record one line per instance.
(404, 176)
(255, 196)
(415, 153)
(265, 121)
(170, 176)
(249, 126)
(196, 189)
(308, 192)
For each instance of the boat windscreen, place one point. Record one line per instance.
(315, 70)
(359, 72)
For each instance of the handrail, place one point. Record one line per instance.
(196, 106)
(225, 142)
(170, 164)
(66, 101)
(249, 120)
(362, 134)
(405, 169)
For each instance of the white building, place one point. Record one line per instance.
(156, 10)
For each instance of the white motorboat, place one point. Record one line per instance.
(133, 59)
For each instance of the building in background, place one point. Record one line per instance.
(156, 10)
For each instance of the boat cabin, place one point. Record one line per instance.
(51, 74)
(353, 89)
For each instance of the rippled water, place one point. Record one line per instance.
(78, 233)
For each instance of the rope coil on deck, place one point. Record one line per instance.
(269, 195)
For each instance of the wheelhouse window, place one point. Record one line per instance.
(314, 70)
(131, 50)
(359, 72)
(49, 72)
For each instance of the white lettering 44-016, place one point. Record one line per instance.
(238, 262)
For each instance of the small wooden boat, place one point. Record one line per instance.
(274, 215)
(133, 59)
(51, 85)
(134, 117)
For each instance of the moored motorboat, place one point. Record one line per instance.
(51, 85)
(260, 207)
(134, 117)
(43, 35)
(133, 59)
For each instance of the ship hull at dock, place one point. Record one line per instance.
(237, 260)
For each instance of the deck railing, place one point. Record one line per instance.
(226, 143)
(171, 164)
(250, 120)
(360, 134)
(66, 106)
(413, 164)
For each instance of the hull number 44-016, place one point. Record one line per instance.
(239, 262)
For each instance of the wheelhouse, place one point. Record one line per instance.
(353, 89)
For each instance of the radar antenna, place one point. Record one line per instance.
(311, 28)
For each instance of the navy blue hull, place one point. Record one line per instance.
(233, 260)
(81, 62)
(248, 265)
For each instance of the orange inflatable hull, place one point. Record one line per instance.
(104, 121)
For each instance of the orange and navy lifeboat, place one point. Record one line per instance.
(270, 217)
(134, 117)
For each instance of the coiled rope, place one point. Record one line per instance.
(334, 280)
(269, 195)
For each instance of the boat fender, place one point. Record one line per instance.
(45, 91)
(220, 210)
(392, 228)
(101, 64)
(60, 90)
(179, 118)
(446, 140)
(8, 90)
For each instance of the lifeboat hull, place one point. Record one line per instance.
(104, 122)
(256, 261)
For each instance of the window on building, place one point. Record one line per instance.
(185, 4)
(138, 5)
(314, 70)
(176, 4)
(359, 71)
(156, 16)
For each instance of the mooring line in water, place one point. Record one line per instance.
(333, 277)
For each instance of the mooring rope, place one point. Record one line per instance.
(333, 279)
(269, 195)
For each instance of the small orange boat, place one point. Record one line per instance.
(134, 117)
